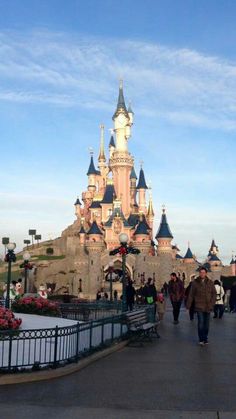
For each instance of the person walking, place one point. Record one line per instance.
(150, 294)
(219, 304)
(161, 305)
(203, 293)
(186, 294)
(130, 294)
(176, 293)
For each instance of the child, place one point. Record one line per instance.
(161, 305)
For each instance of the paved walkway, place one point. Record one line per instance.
(168, 379)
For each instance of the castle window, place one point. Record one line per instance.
(91, 262)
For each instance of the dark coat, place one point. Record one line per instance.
(203, 294)
(176, 290)
(130, 293)
(150, 291)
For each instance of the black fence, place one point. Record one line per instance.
(25, 350)
(90, 311)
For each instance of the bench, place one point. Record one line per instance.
(140, 328)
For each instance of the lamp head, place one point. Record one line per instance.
(11, 246)
(123, 238)
(26, 256)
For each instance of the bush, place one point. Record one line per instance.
(35, 305)
(8, 320)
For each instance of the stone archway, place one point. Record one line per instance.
(117, 269)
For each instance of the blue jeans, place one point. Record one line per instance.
(203, 325)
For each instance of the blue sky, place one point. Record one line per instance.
(60, 63)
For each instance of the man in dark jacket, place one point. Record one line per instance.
(130, 293)
(176, 293)
(203, 294)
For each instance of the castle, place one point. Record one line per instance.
(116, 201)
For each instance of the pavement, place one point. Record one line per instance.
(170, 378)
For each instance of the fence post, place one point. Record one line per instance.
(10, 352)
(102, 334)
(112, 328)
(77, 342)
(90, 335)
(55, 347)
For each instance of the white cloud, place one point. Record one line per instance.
(183, 86)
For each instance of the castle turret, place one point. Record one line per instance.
(164, 235)
(141, 236)
(78, 208)
(133, 190)
(94, 246)
(112, 145)
(188, 258)
(121, 162)
(213, 249)
(150, 211)
(164, 250)
(141, 187)
(82, 233)
(101, 157)
(92, 173)
(216, 266)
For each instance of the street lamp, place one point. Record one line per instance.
(32, 234)
(110, 270)
(124, 250)
(5, 241)
(9, 258)
(26, 258)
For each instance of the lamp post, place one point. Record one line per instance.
(124, 250)
(26, 258)
(5, 241)
(9, 258)
(32, 234)
(110, 270)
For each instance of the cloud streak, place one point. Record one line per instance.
(179, 85)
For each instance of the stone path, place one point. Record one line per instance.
(169, 378)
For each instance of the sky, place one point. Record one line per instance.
(60, 65)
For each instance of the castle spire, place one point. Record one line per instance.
(150, 212)
(101, 157)
(121, 106)
(164, 229)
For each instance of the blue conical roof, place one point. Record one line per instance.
(121, 102)
(109, 195)
(77, 202)
(164, 229)
(82, 230)
(91, 169)
(112, 142)
(189, 254)
(95, 204)
(133, 174)
(232, 261)
(94, 229)
(214, 258)
(141, 228)
(141, 182)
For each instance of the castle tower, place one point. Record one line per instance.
(141, 237)
(133, 190)
(92, 173)
(216, 267)
(112, 145)
(188, 258)
(94, 247)
(78, 208)
(164, 250)
(150, 212)
(121, 162)
(213, 249)
(141, 187)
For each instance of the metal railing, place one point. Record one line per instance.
(25, 350)
(90, 311)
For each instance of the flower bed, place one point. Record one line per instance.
(35, 305)
(8, 320)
